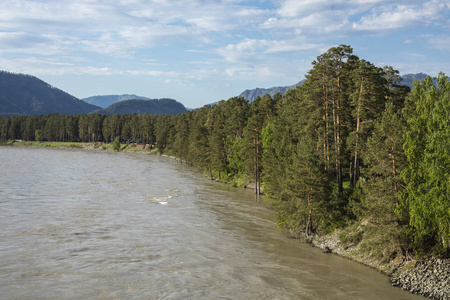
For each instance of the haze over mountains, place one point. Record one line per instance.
(22, 94)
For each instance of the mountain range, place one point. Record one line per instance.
(106, 100)
(409, 79)
(251, 95)
(22, 94)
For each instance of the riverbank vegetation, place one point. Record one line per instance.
(351, 150)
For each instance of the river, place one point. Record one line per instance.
(97, 225)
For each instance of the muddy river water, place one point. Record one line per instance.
(96, 225)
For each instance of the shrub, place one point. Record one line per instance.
(116, 145)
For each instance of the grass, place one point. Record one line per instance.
(80, 145)
(53, 144)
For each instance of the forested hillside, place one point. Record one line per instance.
(351, 147)
(106, 100)
(22, 94)
(151, 106)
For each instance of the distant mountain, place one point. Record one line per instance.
(107, 100)
(153, 106)
(22, 94)
(408, 79)
(251, 95)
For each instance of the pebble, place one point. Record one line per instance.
(429, 278)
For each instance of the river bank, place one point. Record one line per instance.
(428, 277)
(134, 148)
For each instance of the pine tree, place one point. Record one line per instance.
(368, 101)
(384, 159)
(262, 112)
(217, 139)
(180, 145)
(199, 150)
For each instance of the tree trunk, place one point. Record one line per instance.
(327, 151)
(355, 176)
(338, 123)
(394, 173)
(309, 226)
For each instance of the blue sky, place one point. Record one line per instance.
(203, 51)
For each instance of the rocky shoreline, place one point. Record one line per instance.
(429, 277)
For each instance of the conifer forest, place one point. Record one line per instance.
(352, 146)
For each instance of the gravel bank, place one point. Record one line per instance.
(429, 278)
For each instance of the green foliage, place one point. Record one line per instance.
(163, 128)
(383, 241)
(38, 134)
(148, 106)
(352, 235)
(199, 150)
(76, 146)
(181, 137)
(116, 144)
(235, 147)
(427, 147)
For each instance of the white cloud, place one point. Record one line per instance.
(286, 73)
(36, 44)
(244, 51)
(250, 12)
(118, 28)
(431, 69)
(235, 39)
(306, 17)
(390, 18)
(409, 14)
(292, 46)
(253, 50)
(152, 34)
(440, 42)
(37, 67)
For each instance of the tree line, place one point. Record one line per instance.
(79, 128)
(351, 147)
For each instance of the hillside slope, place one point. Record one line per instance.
(251, 95)
(153, 106)
(106, 100)
(22, 94)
